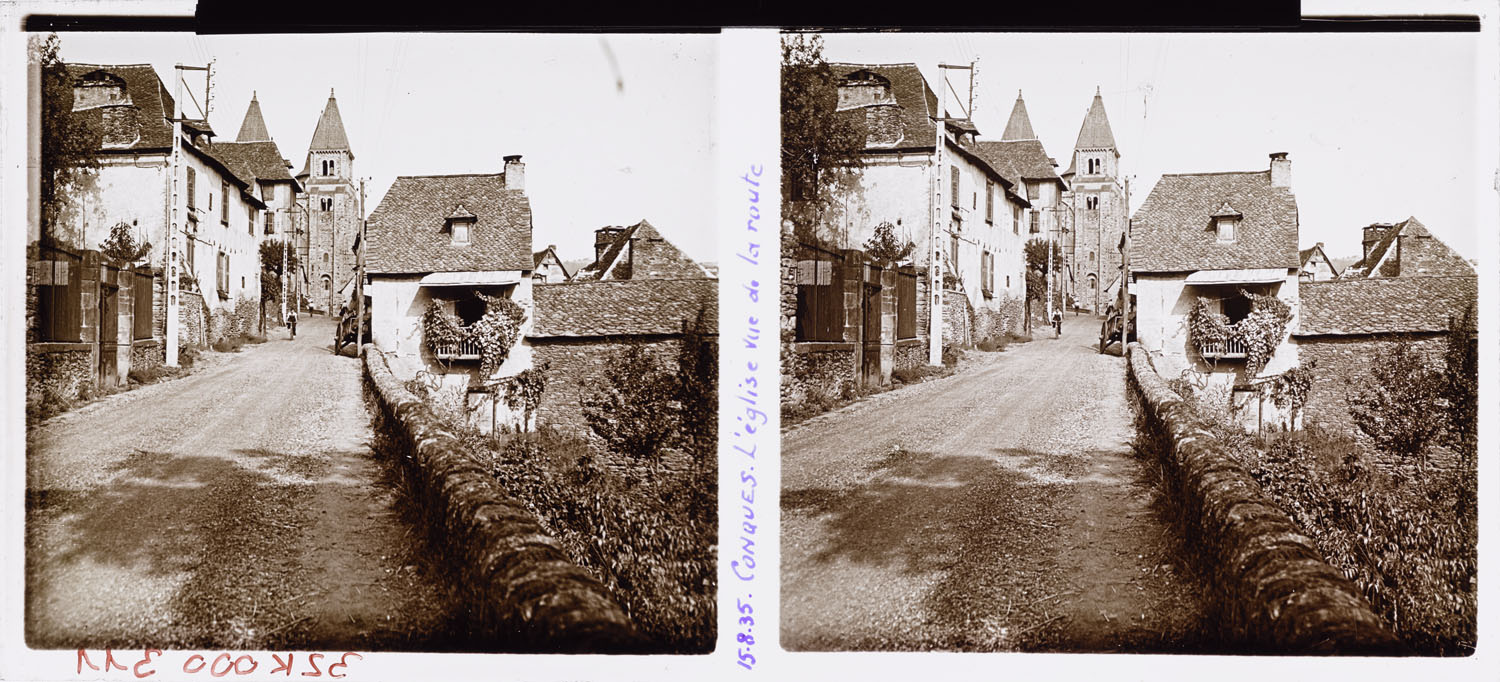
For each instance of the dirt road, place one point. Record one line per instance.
(238, 507)
(999, 509)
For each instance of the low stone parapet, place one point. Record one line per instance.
(1276, 592)
(523, 589)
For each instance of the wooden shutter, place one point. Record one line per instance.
(145, 286)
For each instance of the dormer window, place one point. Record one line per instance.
(1226, 222)
(460, 224)
(864, 88)
(99, 88)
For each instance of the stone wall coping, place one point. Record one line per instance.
(1278, 592)
(58, 346)
(146, 343)
(822, 346)
(527, 592)
(914, 341)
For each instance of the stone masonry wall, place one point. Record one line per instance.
(575, 363)
(520, 588)
(1275, 591)
(958, 320)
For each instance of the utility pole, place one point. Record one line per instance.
(934, 270)
(359, 284)
(1125, 274)
(173, 245)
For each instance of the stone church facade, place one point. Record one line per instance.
(1099, 205)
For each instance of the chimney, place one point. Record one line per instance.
(604, 238)
(515, 173)
(1281, 170)
(1373, 233)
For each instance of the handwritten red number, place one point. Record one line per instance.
(283, 665)
(201, 664)
(213, 669)
(312, 660)
(110, 662)
(253, 665)
(342, 663)
(145, 658)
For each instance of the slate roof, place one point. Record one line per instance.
(1383, 306)
(1019, 126)
(253, 128)
(254, 160)
(539, 256)
(623, 307)
(1450, 263)
(1174, 231)
(149, 98)
(1305, 254)
(328, 136)
(679, 266)
(407, 232)
(1095, 132)
(917, 101)
(1023, 159)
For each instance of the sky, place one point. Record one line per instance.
(612, 129)
(1378, 127)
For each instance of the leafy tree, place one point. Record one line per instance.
(122, 247)
(820, 149)
(1461, 383)
(631, 406)
(1394, 403)
(698, 391)
(883, 247)
(69, 167)
(271, 253)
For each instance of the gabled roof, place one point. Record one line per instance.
(670, 262)
(1095, 132)
(145, 124)
(624, 307)
(328, 136)
(539, 256)
(253, 128)
(919, 105)
(1383, 261)
(1306, 254)
(407, 234)
(1021, 159)
(254, 160)
(1173, 230)
(1019, 126)
(1395, 305)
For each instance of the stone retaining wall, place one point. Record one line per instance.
(522, 588)
(1276, 592)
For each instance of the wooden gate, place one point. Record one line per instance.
(870, 311)
(109, 326)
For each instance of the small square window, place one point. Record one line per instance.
(461, 232)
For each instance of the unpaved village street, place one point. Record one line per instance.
(239, 507)
(999, 509)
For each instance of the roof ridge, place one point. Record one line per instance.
(455, 175)
(105, 65)
(1179, 175)
(872, 64)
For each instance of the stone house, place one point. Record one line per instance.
(1406, 249)
(638, 251)
(132, 109)
(1019, 154)
(1213, 236)
(547, 268)
(1316, 266)
(580, 325)
(1097, 199)
(1344, 323)
(847, 321)
(330, 214)
(445, 239)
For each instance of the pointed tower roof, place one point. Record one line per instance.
(329, 135)
(1019, 126)
(253, 129)
(1095, 133)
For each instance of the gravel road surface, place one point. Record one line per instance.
(999, 509)
(238, 507)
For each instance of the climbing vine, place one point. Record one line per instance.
(1289, 389)
(494, 333)
(1260, 332)
(524, 392)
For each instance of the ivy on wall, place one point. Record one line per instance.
(1260, 332)
(495, 333)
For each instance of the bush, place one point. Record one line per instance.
(993, 344)
(52, 400)
(697, 389)
(1395, 403)
(633, 408)
(649, 533)
(951, 356)
(186, 356)
(912, 375)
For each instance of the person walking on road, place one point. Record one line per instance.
(291, 324)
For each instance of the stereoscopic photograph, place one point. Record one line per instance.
(371, 342)
(1130, 343)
